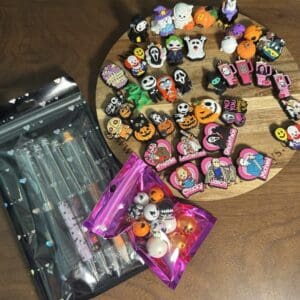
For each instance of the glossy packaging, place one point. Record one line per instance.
(110, 217)
(54, 166)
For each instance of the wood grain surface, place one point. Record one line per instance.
(253, 251)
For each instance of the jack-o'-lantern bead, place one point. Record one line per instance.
(178, 240)
(140, 228)
(186, 224)
(156, 194)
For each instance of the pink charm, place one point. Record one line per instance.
(283, 83)
(186, 179)
(219, 172)
(189, 147)
(245, 69)
(218, 137)
(228, 72)
(252, 164)
(159, 155)
(262, 72)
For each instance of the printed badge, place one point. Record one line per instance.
(159, 154)
(164, 125)
(114, 76)
(116, 129)
(135, 63)
(206, 110)
(186, 179)
(189, 147)
(143, 129)
(290, 136)
(219, 172)
(184, 116)
(234, 111)
(252, 164)
(218, 137)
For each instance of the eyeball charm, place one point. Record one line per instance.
(141, 198)
(151, 212)
(156, 247)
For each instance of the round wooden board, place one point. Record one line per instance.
(263, 113)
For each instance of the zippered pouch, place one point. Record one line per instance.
(54, 166)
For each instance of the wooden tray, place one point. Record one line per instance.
(263, 113)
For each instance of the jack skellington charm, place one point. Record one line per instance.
(156, 55)
(113, 106)
(182, 81)
(184, 116)
(149, 84)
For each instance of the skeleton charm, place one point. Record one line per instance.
(149, 84)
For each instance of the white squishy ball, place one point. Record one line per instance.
(170, 224)
(141, 198)
(151, 212)
(156, 247)
(229, 44)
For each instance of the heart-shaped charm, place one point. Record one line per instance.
(23, 180)
(234, 111)
(186, 179)
(11, 152)
(71, 107)
(56, 131)
(252, 164)
(189, 147)
(26, 127)
(42, 103)
(159, 154)
(218, 137)
(219, 172)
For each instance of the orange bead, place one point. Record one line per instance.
(186, 224)
(156, 194)
(178, 240)
(140, 228)
(246, 49)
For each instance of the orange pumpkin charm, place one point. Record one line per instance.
(253, 33)
(206, 110)
(140, 228)
(246, 49)
(187, 224)
(156, 194)
(205, 17)
(143, 129)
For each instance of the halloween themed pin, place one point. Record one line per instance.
(143, 129)
(244, 69)
(115, 102)
(206, 110)
(164, 125)
(237, 30)
(228, 12)
(156, 55)
(166, 87)
(228, 72)
(218, 137)
(205, 16)
(163, 22)
(182, 15)
(252, 164)
(228, 44)
(116, 129)
(174, 45)
(246, 49)
(189, 147)
(234, 111)
(290, 136)
(114, 76)
(186, 179)
(216, 83)
(126, 110)
(253, 33)
(263, 71)
(292, 108)
(184, 116)
(135, 63)
(195, 46)
(136, 94)
(159, 154)
(149, 84)
(219, 172)
(182, 81)
(138, 30)
(282, 84)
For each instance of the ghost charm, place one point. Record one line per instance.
(156, 55)
(195, 47)
(182, 81)
(183, 16)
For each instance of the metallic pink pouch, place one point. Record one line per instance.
(110, 217)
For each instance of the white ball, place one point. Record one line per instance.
(171, 224)
(229, 44)
(156, 247)
(158, 227)
(141, 198)
(151, 212)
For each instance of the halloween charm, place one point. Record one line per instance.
(205, 16)
(162, 23)
(290, 136)
(292, 108)
(228, 12)
(234, 111)
(184, 116)
(143, 130)
(166, 87)
(156, 55)
(228, 72)
(174, 45)
(245, 70)
(253, 33)
(113, 106)
(182, 15)
(282, 83)
(140, 228)
(216, 83)
(151, 212)
(246, 49)
(270, 46)
(219, 172)
(218, 137)
(262, 72)
(149, 84)
(182, 81)
(141, 198)
(159, 155)
(252, 164)
(138, 30)
(195, 47)
(237, 31)
(206, 110)
(156, 194)
(189, 147)
(228, 44)
(126, 110)
(137, 95)
(135, 64)
(156, 247)
(114, 76)
(164, 125)
(116, 129)
(186, 179)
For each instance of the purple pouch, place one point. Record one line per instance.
(166, 251)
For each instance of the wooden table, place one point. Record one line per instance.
(254, 250)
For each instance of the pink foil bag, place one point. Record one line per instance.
(110, 218)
